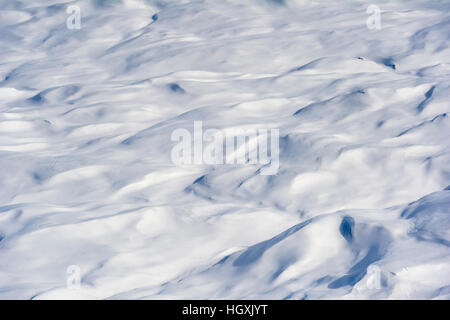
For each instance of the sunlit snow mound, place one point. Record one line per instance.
(359, 208)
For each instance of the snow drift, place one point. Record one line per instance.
(85, 121)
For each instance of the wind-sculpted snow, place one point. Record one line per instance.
(359, 207)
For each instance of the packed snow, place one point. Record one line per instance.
(359, 207)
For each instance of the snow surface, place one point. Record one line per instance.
(86, 177)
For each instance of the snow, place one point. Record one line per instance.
(361, 195)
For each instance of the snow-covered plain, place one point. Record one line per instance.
(86, 177)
